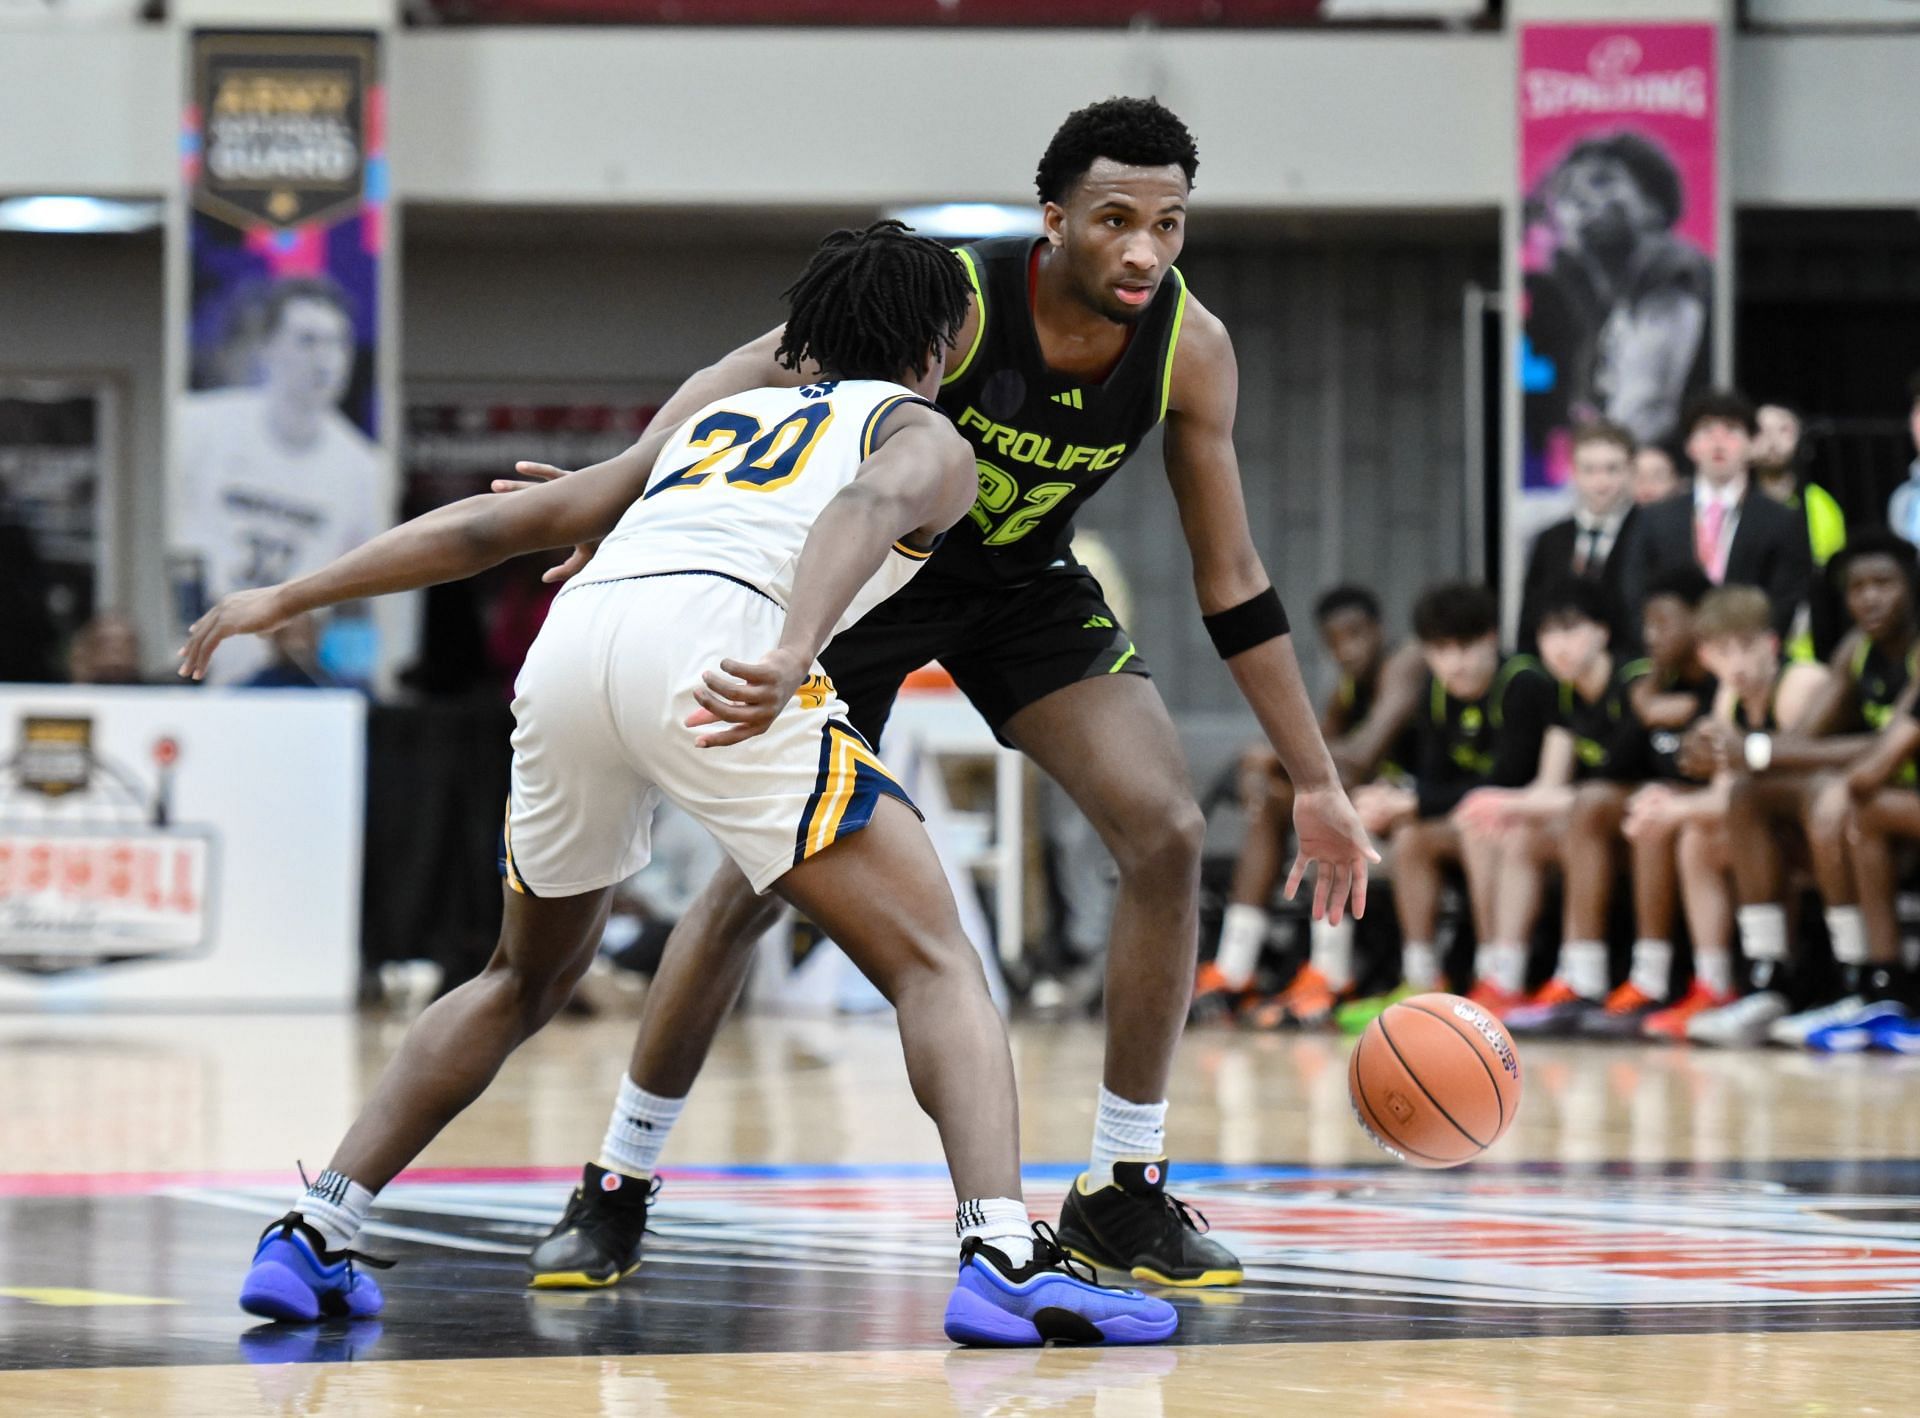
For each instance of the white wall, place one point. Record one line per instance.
(644, 115)
(731, 118)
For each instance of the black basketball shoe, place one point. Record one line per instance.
(1134, 1226)
(596, 1242)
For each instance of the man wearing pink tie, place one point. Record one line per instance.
(1736, 538)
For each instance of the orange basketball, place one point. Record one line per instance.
(1435, 1081)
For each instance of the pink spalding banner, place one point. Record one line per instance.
(1619, 233)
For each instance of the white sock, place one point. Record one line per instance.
(1583, 966)
(1763, 931)
(1713, 969)
(1125, 1132)
(1653, 968)
(1332, 952)
(1002, 1223)
(1504, 963)
(638, 1130)
(1419, 965)
(1849, 932)
(1243, 931)
(336, 1206)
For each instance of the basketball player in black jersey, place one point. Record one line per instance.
(1795, 786)
(1368, 725)
(1075, 347)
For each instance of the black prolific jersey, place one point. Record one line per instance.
(1600, 727)
(1493, 741)
(1652, 754)
(1354, 699)
(1878, 682)
(1045, 441)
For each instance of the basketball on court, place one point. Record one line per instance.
(1435, 1080)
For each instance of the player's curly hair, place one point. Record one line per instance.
(1455, 612)
(872, 304)
(1139, 132)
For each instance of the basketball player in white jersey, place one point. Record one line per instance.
(760, 526)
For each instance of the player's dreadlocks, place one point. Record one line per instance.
(872, 304)
(1139, 132)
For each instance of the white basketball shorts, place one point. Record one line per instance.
(600, 736)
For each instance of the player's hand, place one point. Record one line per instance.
(1333, 840)
(1709, 747)
(747, 698)
(532, 475)
(1651, 808)
(242, 613)
(1866, 779)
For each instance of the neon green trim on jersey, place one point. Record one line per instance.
(980, 325)
(1826, 523)
(1173, 343)
(1131, 652)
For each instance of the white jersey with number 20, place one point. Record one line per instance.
(738, 488)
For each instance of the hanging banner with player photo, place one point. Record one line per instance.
(1619, 233)
(278, 463)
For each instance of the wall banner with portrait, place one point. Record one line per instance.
(278, 457)
(1620, 224)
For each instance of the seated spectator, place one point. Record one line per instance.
(1794, 794)
(1591, 544)
(1482, 722)
(1642, 778)
(1735, 538)
(106, 650)
(1903, 509)
(295, 662)
(1779, 470)
(1367, 724)
(1656, 476)
(1886, 812)
(1515, 835)
(1757, 692)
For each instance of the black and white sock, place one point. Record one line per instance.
(336, 1206)
(1000, 1222)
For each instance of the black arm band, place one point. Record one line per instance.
(1248, 624)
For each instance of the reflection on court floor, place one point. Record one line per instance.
(754, 1259)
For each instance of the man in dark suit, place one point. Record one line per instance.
(1735, 534)
(1591, 544)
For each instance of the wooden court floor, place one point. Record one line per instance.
(1664, 1231)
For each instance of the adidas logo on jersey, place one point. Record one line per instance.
(1098, 622)
(1071, 399)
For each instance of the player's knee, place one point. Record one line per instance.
(532, 993)
(933, 959)
(1596, 812)
(1165, 846)
(1829, 811)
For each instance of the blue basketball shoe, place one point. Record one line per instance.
(1859, 1031)
(295, 1277)
(1046, 1300)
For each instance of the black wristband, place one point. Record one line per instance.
(1248, 624)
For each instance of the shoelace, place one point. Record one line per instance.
(286, 1224)
(1049, 1254)
(1192, 1217)
(581, 1212)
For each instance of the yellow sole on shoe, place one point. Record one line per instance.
(577, 1280)
(1205, 1280)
